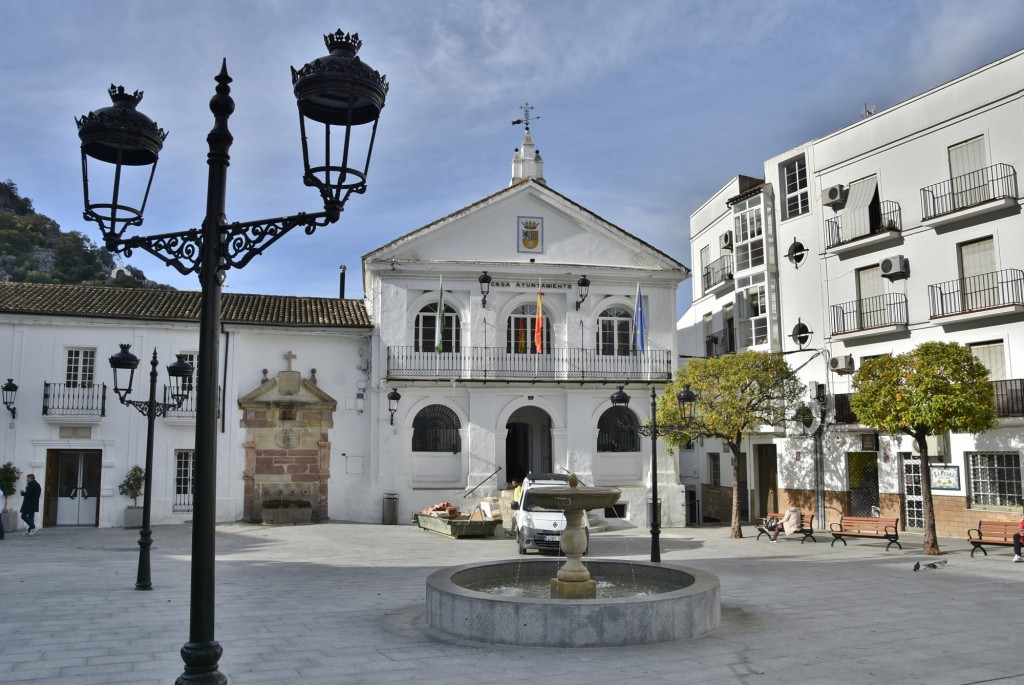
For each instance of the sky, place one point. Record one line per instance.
(643, 108)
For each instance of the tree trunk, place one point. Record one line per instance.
(931, 542)
(736, 531)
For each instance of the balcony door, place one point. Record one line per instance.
(968, 169)
(979, 283)
(871, 310)
(72, 488)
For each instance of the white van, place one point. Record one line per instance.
(535, 527)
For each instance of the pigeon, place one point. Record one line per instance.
(930, 566)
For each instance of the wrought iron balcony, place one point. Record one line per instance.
(717, 272)
(74, 399)
(887, 220)
(498, 364)
(719, 343)
(991, 291)
(869, 313)
(1009, 397)
(842, 411)
(996, 182)
(188, 407)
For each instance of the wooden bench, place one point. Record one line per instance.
(882, 528)
(806, 527)
(991, 533)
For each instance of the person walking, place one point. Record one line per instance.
(30, 503)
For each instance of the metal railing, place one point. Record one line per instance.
(841, 409)
(497, 363)
(1009, 397)
(974, 293)
(720, 342)
(871, 312)
(889, 219)
(717, 272)
(188, 407)
(960, 192)
(73, 399)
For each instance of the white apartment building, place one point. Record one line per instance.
(901, 228)
(537, 302)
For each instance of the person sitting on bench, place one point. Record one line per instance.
(1016, 543)
(790, 523)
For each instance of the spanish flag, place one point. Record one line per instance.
(538, 324)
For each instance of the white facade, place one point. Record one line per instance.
(305, 409)
(925, 243)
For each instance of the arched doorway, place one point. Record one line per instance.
(528, 443)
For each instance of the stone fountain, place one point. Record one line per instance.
(687, 605)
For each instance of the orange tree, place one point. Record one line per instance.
(737, 395)
(934, 388)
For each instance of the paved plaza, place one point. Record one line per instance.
(344, 603)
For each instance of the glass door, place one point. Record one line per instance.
(78, 488)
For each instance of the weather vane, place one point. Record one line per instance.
(527, 108)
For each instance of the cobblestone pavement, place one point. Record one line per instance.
(344, 603)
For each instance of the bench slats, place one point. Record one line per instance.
(991, 533)
(884, 528)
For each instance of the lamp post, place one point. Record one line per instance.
(339, 92)
(180, 373)
(10, 391)
(393, 398)
(687, 400)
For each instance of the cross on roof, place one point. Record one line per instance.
(289, 357)
(527, 108)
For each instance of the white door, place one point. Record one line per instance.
(78, 488)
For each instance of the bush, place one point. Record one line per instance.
(9, 475)
(132, 485)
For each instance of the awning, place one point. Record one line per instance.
(856, 217)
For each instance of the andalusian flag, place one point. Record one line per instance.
(639, 321)
(538, 324)
(439, 323)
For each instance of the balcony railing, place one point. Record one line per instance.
(73, 399)
(497, 364)
(843, 413)
(889, 219)
(960, 192)
(975, 293)
(188, 407)
(1009, 397)
(717, 272)
(719, 343)
(871, 312)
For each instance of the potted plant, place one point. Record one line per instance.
(9, 475)
(132, 487)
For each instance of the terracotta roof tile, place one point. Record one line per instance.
(179, 305)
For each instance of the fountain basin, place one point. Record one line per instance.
(454, 611)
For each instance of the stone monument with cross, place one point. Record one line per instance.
(287, 444)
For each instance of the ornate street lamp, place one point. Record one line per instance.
(687, 400)
(583, 285)
(180, 373)
(393, 398)
(485, 287)
(336, 95)
(10, 391)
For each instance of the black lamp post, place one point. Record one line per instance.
(687, 400)
(180, 373)
(338, 92)
(583, 285)
(393, 398)
(10, 391)
(485, 287)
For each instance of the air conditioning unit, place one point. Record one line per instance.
(725, 241)
(842, 363)
(833, 196)
(894, 267)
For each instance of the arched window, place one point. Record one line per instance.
(426, 328)
(436, 429)
(615, 331)
(521, 331)
(617, 431)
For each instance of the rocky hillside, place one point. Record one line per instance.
(34, 250)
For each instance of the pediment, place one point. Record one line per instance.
(492, 231)
(286, 389)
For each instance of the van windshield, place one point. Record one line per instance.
(530, 504)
